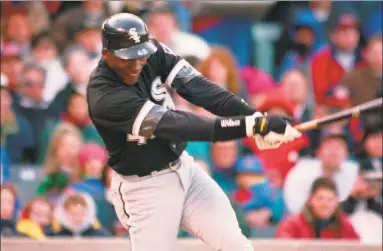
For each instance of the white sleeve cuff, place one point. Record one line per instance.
(174, 71)
(141, 116)
(250, 122)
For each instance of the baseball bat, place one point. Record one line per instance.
(353, 112)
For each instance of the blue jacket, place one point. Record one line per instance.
(5, 171)
(94, 187)
(17, 143)
(264, 195)
(292, 60)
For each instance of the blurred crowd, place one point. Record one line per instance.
(326, 184)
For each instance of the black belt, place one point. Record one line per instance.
(170, 165)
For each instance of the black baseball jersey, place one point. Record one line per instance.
(138, 123)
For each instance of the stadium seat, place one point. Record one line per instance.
(263, 233)
(26, 178)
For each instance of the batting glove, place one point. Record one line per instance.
(270, 131)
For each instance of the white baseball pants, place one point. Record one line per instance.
(153, 208)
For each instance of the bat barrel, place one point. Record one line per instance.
(353, 112)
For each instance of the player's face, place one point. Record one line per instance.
(127, 69)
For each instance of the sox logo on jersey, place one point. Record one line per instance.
(159, 93)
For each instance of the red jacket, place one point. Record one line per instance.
(301, 227)
(326, 74)
(283, 158)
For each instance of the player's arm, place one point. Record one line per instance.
(126, 112)
(212, 97)
(179, 75)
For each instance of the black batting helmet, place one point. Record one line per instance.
(127, 36)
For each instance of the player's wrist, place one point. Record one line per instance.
(252, 123)
(230, 128)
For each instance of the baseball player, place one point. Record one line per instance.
(157, 186)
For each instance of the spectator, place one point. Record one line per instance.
(183, 12)
(88, 36)
(17, 137)
(365, 83)
(254, 194)
(365, 202)
(77, 65)
(296, 88)
(31, 103)
(224, 155)
(92, 160)
(76, 215)
(304, 32)
(163, 26)
(35, 12)
(77, 115)
(17, 32)
(44, 53)
(365, 207)
(220, 67)
(38, 15)
(66, 23)
(331, 162)
(61, 162)
(371, 153)
(11, 65)
(258, 84)
(286, 156)
(277, 204)
(319, 9)
(8, 219)
(330, 64)
(35, 218)
(321, 217)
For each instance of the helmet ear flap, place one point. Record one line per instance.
(105, 43)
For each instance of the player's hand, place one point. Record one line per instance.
(271, 131)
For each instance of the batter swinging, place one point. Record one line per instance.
(157, 186)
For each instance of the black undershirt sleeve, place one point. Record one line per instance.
(185, 126)
(204, 93)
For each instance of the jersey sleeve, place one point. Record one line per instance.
(171, 66)
(126, 112)
(183, 78)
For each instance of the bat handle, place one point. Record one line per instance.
(306, 126)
